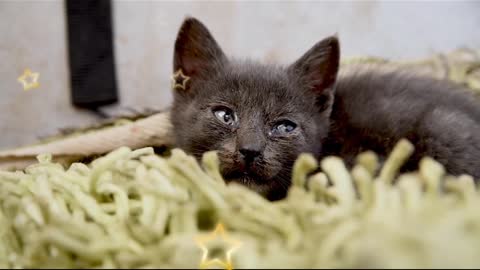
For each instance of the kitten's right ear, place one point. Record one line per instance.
(319, 65)
(196, 51)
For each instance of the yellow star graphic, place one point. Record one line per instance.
(233, 245)
(29, 80)
(179, 80)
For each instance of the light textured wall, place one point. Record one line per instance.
(32, 34)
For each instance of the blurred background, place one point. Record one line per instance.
(34, 35)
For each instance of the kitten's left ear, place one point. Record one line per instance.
(318, 67)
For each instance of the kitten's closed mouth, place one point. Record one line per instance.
(246, 178)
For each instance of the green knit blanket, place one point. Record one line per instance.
(136, 209)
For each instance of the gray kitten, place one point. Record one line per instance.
(261, 117)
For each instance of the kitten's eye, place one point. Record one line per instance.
(284, 127)
(225, 115)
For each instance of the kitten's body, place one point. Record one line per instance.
(261, 117)
(373, 109)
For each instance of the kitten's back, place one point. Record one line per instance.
(375, 106)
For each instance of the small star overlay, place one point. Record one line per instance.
(230, 243)
(179, 80)
(29, 80)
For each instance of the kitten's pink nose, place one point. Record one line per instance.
(249, 154)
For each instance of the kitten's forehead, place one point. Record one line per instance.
(259, 85)
(253, 72)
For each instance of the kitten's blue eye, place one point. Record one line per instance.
(225, 115)
(284, 127)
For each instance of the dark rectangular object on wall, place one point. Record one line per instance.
(90, 53)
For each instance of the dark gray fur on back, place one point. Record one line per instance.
(375, 109)
(360, 108)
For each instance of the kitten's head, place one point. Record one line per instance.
(258, 118)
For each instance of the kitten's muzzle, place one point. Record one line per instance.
(249, 179)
